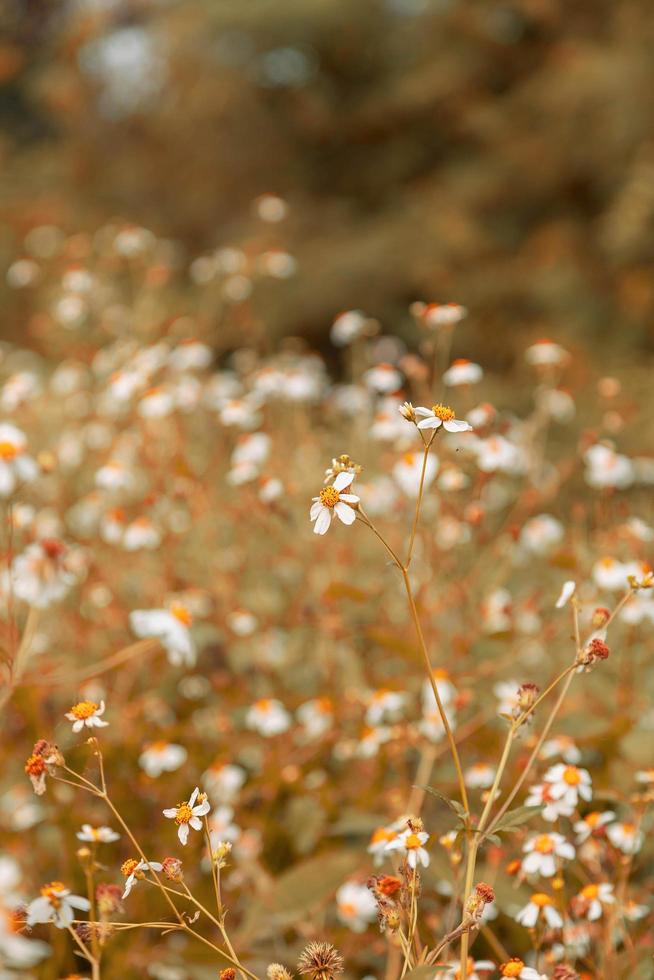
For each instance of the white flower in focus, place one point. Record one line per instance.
(16, 466)
(440, 415)
(172, 627)
(539, 905)
(158, 757)
(626, 837)
(56, 905)
(332, 500)
(188, 814)
(356, 906)
(411, 844)
(87, 714)
(542, 852)
(97, 835)
(268, 717)
(462, 372)
(135, 871)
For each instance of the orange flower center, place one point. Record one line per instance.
(381, 834)
(590, 892)
(84, 709)
(470, 970)
(543, 844)
(571, 776)
(443, 412)
(412, 842)
(181, 613)
(53, 892)
(328, 496)
(8, 451)
(540, 899)
(513, 968)
(184, 813)
(128, 867)
(348, 910)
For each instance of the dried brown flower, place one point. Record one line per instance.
(320, 961)
(275, 971)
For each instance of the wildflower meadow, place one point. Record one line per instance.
(324, 653)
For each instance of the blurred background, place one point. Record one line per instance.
(497, 154)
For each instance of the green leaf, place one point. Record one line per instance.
(513, 819)
(454, 805)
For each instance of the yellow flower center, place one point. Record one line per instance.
(381, 834)
(412, 842)
(127, 868)
(181, 613)
(348, 910)
(543, 844)
(84, 709)
(443, 412)
(571, 776)
(592, 819)
(513, 968)
(540, 899)
(184, 813)
(8, 451)
(53, 892)
(590, 892)
(329, 497)
(471, 967)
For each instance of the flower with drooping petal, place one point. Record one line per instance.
(56, 904)
(437, 415)
(135, 871)
(87, 713)
(188, 814)
(331, 500)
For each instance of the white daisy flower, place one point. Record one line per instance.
(516, 968)
(412, 846)
(158, 757)
(626, 837)
(477, 969)
(188, 814)
(172, 627)
(16, 466)
(268, 717)
(384, 706)
(568, 784)
(355, 906)
(590, 901)
(87, 714)
(462, 372)
(135, 871)
(591, 824)
(439, 314)
(332, 500)
(437, 415)
(97, 835)
(56, 905)
(539, 905)
(223, 781)
(542, 851)
(561, 745)
(380, 839)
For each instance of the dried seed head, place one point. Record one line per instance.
(108, 898)
(485, 893)
(526, 698)
(228, 974)
(278, 972)
(172, 868)
(320, 961)
(593, 653)
(600, 617)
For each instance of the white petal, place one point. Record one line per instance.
(315, 510)
(423, 413)
(194, 796)
(430, 423)
(323, 521)
(182, 833)
(457, 425)
(79, 903)
(195, 823)
(566, 593)
(345, 513)
(343, 480)
(170, 812)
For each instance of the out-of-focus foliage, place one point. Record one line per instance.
(500, 152)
